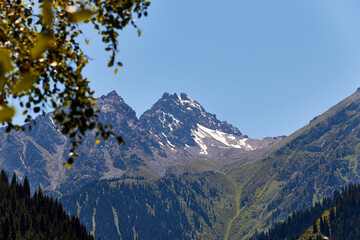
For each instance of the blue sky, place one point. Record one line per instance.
(267, 67)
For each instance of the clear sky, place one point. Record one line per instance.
(265, 66)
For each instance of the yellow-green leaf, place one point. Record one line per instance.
(5, 66)
(5, 62)
(6, 113)
(47, 12)
(25, 83)
(68, 165)
(139, 32)
(116, 71)
(97, 142)
(69, 162)
(82, 15)
(66, 104)
(88, 42)
(2, 83)
(42, 44)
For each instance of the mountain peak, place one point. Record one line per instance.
(174, 96)
(181, 96)
(115, 105)
(175, 99)
(174, 119)
(111, 95)
(188, 111)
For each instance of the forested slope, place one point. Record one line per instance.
(312, 163)
(340, 222)
(23, 216)
(297, 222)
(336, 218)
(190, 206)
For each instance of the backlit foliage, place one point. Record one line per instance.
(41, 61)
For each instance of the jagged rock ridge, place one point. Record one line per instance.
(184, 129)
(174, 130)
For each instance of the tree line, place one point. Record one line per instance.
(37, 216)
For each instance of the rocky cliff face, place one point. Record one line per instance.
(184, 129)
(176, 129)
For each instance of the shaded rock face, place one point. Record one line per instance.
(184, 129)
(175, 129)
(174, 117)
(41, 152)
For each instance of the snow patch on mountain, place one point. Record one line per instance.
(105, 109)
(185, 100)
(199, 140)
(169, 120)
(228, 140)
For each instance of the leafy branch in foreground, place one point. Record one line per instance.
(41, 61)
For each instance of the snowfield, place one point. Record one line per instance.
(203, 135)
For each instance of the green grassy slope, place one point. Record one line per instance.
(312, 162)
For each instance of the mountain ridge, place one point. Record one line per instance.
(266, 184)
(310, 164)
(175, 130)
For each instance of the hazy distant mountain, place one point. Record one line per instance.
(174, 131)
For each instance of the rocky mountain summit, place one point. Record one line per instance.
(174, 130)
(185, 130)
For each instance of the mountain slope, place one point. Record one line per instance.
(311, 164)
(191, 206)
(263, 185)
(298, 222)
(335, 218)
(41, 152)
(174, 131)
(340, 222)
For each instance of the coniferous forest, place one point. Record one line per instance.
(23, 216)
(340, 222)
(297, 223)
(337, 218)
(172, 207)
